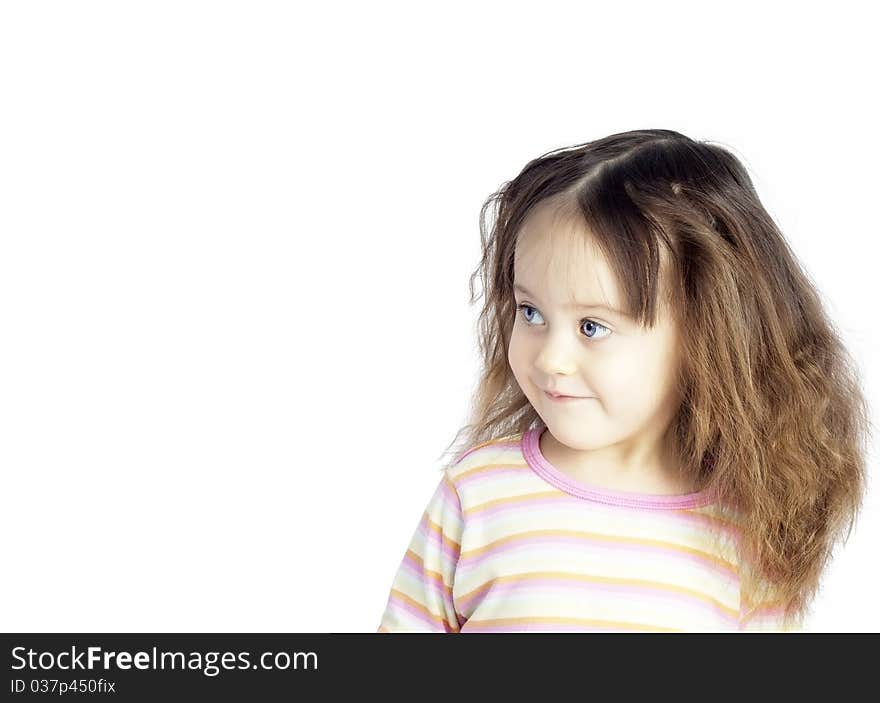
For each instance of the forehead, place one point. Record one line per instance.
(556, 254)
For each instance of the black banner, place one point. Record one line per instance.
(151, 667)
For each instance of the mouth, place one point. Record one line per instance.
(556, 397)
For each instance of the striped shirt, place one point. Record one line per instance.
(509, 543)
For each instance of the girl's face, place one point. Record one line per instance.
(564, 339)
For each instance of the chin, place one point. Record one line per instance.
(574, 433)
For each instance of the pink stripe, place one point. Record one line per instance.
(563, 501)
(541, 627)
(435, 540)
(394, 603)
(543, 587)
(419, 573)
(468, 562)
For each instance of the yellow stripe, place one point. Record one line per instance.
(589, 578)
(589, 622)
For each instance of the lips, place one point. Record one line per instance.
(555, 394)
(563, 398)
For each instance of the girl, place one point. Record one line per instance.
(668, 434)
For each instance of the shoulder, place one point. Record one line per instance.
(483, 454)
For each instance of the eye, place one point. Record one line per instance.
(585, 321)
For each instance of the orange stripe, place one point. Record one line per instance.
(438, 619)
(436, 529)
(490, 442)
(611, 539)
(589, 578)
(489, 467)
(435, 576)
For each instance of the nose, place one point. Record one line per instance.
(556, 360)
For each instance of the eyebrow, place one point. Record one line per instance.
(594, 306)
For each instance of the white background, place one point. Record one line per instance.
(235, 240)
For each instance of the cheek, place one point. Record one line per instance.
(621, 380)
(516, 359)
(618, 369)
(520, 365)
(515, 346)
(637, 381)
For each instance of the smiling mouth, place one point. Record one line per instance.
(564, 397)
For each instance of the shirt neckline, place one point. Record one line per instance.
(531, 450)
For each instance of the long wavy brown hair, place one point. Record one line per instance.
(773, 417)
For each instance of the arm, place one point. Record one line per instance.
(421, 593)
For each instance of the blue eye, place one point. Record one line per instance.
(593, 323)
